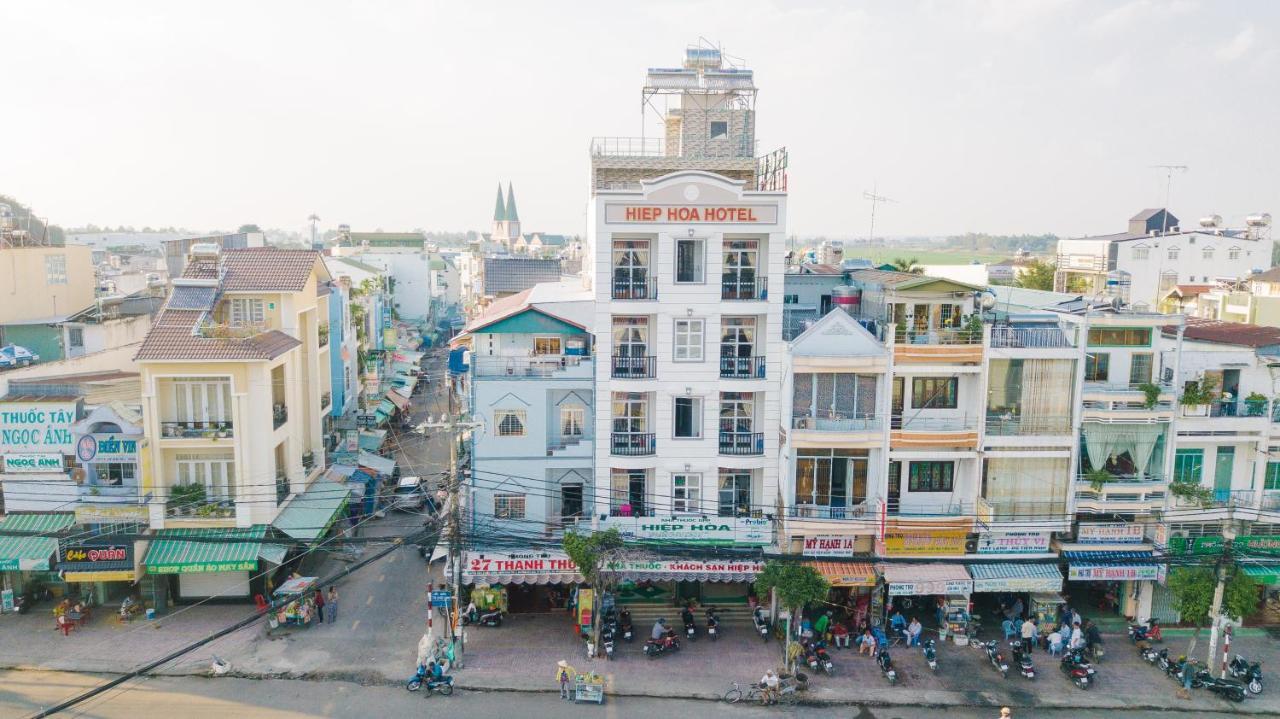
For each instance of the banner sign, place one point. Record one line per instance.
(1013, 542)
(1109, 533)
(950, 541)
(89, 557)
(688, 530)
(38, 426)
(829, 545)
(1195, 545)
(615, 213)
(14, 463)
(112, 514)
(1267, 545)
(1116, 572)
(935, 586)
(108, 448)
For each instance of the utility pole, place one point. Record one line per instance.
(875, 200)
(1221, 571)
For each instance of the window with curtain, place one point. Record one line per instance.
(1120, 336)
(1026, 487)
(1272, 480)
(931, 476)
(573, 421)
(934, 392)
(1188, 465)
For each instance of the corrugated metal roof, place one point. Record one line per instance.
(1227, 333)
(309, 514)
(31, 553)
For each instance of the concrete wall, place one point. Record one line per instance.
(25, 293)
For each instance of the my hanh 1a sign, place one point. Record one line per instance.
(829, 545)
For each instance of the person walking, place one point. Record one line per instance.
(1077, 637)
(564, 675)
(319, 606)
(1028, 635)
(331, 606)
(1006, 713)
(820, 626)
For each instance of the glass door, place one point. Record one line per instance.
(1226, 460)
(630, 269)
(630, 346)
(737, 342)
(739, 272)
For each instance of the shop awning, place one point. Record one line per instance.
(1265, 574)
(1016, 577)
(32, 552)
(386, 407)
(381, 465)
(371, 439)
(171, 554)
(398, 400)
(308, 515)
(936, 578)
(274, 553)
(846, 574)
(1111, 565)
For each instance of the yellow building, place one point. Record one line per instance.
(40, 282)
(235, 385)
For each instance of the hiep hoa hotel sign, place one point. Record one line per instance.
(615, 213)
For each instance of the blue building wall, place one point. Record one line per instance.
(337, 370)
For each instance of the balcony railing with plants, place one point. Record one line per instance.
(279, 415)
(322, 336)
(742, 367)
(195, 430)
(229, 331)
(193, 500)
(326, 399)
(282, 486)
(632, 444)
(968, 334)
(742, 443)
(308, 461)
(633, 367)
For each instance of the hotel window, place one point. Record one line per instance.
(508, 506)
(1207, 253)
(1188, 465)
(1097, 366)
(573, 421)
(1233, 253)
(546, 346)
(688, 417)
(1141, 253)
(1173, 253)
(55, 269)
(690, 260)
(688, 340)
(934, 392)
(719, 129)
(247, 312)
(510, 422)
(931, 476)
(686, 493)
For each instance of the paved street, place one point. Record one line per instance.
(22, 693)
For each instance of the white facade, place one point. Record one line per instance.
(659, 341)
(410, 268)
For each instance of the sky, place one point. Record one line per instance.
(1027, 116)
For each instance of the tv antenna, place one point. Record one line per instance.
(875, 200)
(1168, 189)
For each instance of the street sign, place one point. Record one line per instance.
(440, 598)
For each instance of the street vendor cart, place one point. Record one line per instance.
(294, 603)
(589, 688)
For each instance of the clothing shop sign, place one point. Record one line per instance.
(829, 545)
(1109, 533)
(1013, 542)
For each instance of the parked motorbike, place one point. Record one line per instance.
(1022, 659)
(1150, 655)
(1080, 672)
(809, 656)
(606, 640)
(1229, 689)
(1248, 672)
(886, 666)
(1172, 668)
(824, 659)
(761, 623)
(690, 627)
(931, 654)
(655, 648)
(713, 623)
(1148, 630)
(492, 618)
(628, 632)
(421, 678)
(997, 659)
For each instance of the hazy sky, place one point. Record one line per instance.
(1005, 117)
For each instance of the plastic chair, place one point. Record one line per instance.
(66, 625)
(260, 603)
(1008, 628)
(1055, 649)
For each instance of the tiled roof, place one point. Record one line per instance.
(257, 269)
(1191, 290)
(1227, 333)
(1271, 275)
(174, 337)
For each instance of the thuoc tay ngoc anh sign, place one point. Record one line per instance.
(37, 427)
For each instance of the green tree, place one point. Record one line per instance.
(1036, 276)
(593, 553)
(796, 585)
(249, 228)
(1275, 253)
(903, 264)
(1193, 589)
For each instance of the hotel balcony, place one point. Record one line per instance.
(646, 289)
(744, 289)
(742, 367)
(632, 444)
(537, 367)
(937, 346)
(633, 367)
(187, 429)
(742, 444)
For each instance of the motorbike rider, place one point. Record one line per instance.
(686, 615)
(659, 630)
(1092, 637)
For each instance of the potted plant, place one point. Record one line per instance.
(1098, 478)
(1152, 394)
(1255, 405)
(1196, 396)
(1192, 493)
(184, 498)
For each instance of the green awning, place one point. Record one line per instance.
(371, 439)
(169, 554)
(31, 553)
(1265, 574)
(381, 416)
(273, 553)
(309, 514)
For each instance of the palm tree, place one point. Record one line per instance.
(902, 264)
(313, 218)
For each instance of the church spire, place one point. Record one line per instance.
(512, 215)
(499, 212)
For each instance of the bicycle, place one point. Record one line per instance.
(735, 693)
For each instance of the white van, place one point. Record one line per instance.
(409, 495)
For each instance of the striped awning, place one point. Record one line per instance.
(308, 515)
(398, 400)
(846, 574)
(1016, 577)
(1265, 574)
(170, 554)
(34, 551)
(1112, 565)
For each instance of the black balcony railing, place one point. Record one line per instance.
(742, 367)
(742, 443)
(635, 289)
(635, 367)
(282, 487)
(195, 430)
(308, 461)
(744, 288)
(326, 399)
(279, 415)
(632, 444)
